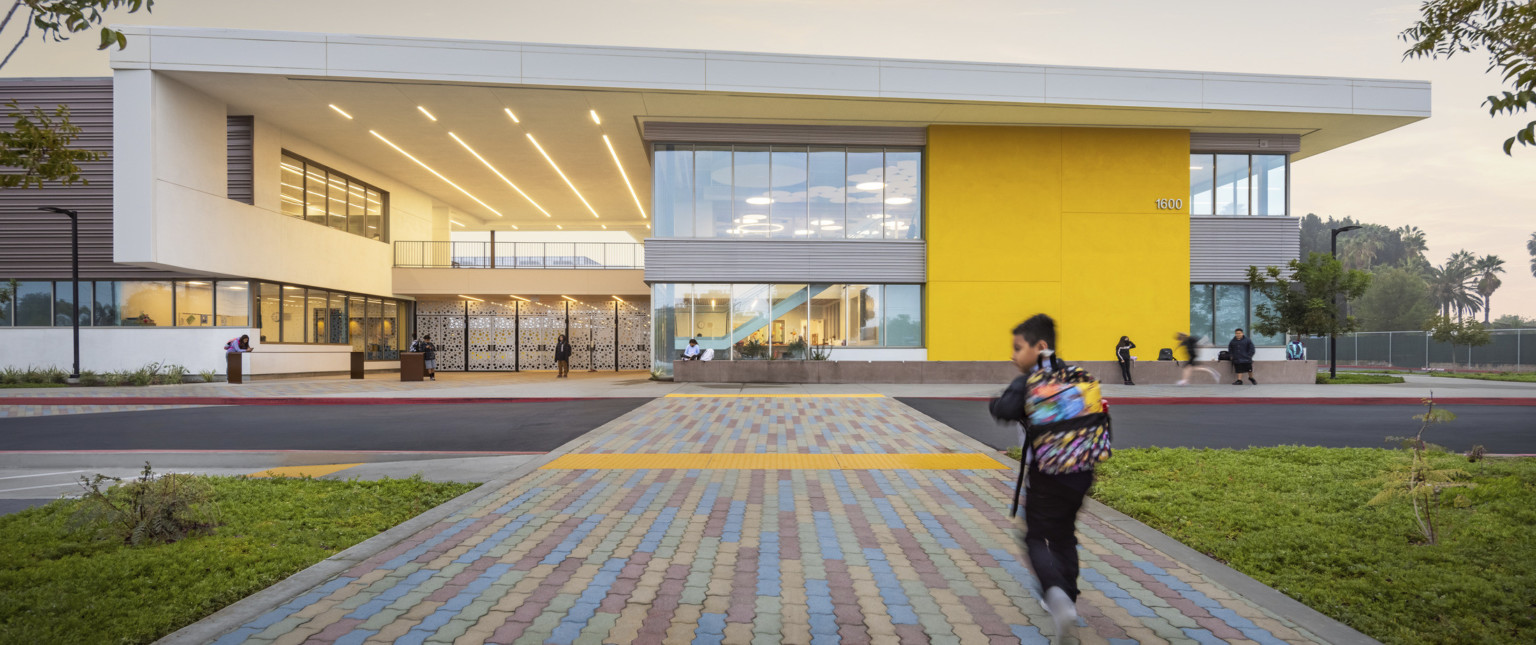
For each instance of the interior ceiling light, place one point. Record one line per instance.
(424, 111)
(618, 299)
(340, 111)
(570, 299)
(552, 164)
(753, 218)
(429, 169)
(469, 298)
(899, 201)
(832, 227)
(760, 201)
(594, 117)
(456, 222)
(625, 175)
(560, 227)
(519, 298)
(509, 113)
(498, 174)
(869, 185)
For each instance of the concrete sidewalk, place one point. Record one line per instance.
(761, 519)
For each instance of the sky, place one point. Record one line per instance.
(1447, 175)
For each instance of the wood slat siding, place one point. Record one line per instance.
(35, 244)
(760, 261)
(1222, 248)
(239, 145)
(789, 134)
(1256, 143)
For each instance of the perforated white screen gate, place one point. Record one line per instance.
(498, 337)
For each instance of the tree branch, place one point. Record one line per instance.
(19, 41)
(8, 14)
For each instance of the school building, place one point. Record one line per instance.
(330, 193)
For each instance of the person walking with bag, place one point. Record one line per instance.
(1123, 354)
(563, 357)
(1065, 432)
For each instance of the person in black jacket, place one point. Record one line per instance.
(1240, 350)
(563, 357)
(1052, 503)
(1123, 354)
(429, 356)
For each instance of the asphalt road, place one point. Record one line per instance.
(510, 427)
(1500, 429)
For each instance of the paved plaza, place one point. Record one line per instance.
(752, 519)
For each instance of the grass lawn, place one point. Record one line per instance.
(28, 385)
(1517, 377)
(1296, 519)
(1357, 378)
(56, 587)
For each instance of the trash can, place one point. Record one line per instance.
(357, 365)
(413, 366)
(233, 364)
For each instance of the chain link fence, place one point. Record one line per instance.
(1512, 350)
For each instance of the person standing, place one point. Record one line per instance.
(429, 356)
(1295, 351)
(1053, 500)
(1240, 349)
(1123, 354)
(563, 357)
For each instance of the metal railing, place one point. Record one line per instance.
(520, 255)
(1511, 350)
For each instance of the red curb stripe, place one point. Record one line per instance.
(271, 451)
(254, 400)
(1234, 400)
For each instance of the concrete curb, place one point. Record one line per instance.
(1307, 618)
(1285, 400)
(242, 611)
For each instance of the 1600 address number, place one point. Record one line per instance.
(1169, 204)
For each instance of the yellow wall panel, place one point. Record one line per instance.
(1059, 221)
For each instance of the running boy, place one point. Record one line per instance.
(1050, 509)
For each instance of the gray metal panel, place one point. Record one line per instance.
(35, 244)
(239, 145)
(785, 133)
(1222, 248)
(711, 260)
(1257, 143)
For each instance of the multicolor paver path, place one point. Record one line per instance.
(774, 549)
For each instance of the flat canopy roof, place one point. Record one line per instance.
(289, 79)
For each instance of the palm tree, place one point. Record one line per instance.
(1530, 245)
(1361, 251)
(1487, 268)
(1449, 290)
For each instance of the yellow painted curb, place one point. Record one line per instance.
(678, 395)
(303, 471)
(775, 461)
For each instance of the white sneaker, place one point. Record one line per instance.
(1181, 383)
(1063, 613)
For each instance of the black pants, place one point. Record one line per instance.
(1125, 370)
(1242, 368)
(1050, 518)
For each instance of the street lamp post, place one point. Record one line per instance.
(1333, 337)
(74, 250)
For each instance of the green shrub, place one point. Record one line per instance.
(173, 374)
(11, 376)
(152, 509)
(87, 377)
(209, 376)
(113, 379)
(142, 376)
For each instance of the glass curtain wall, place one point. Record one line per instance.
(1215, 310)
(1237, 184)
(787, 192)
(329, 198)
(781, 321)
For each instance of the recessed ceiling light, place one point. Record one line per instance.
(875, 216)
(594, 117)
(424, 111)
(753, 218)
(625, 175)
(869, 185)
(498, 174)
(759, 201)
(469, 298)
(802, 232)
(429, 169)
(340, 111)
(456, 222)
(509, 113)
(832, 227)
(899, 201)
(552, 164)
(521, 298)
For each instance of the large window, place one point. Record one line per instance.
(1215, 310)
(787, 192)
(782, 321)
(321, 195)
(125, 303)
(1237, 184)
(294, 314)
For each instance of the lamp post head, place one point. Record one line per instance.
(1345, 229)
(61, 211)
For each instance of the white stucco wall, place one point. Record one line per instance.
(110, 349)
(877, 354)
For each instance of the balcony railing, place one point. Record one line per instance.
(519, 255)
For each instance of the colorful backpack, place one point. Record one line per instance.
(1068, 425)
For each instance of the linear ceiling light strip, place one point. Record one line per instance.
(439, 175)
(498, 174)
(552, 164)
(625, 175)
